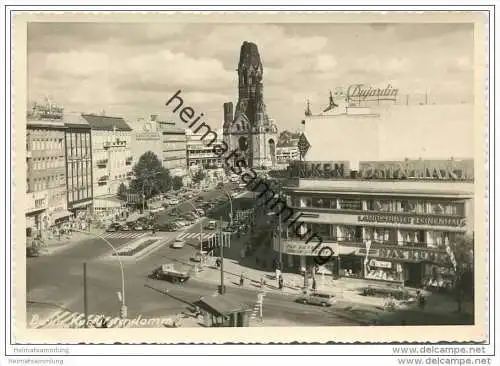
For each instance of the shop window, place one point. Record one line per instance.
(436, 277)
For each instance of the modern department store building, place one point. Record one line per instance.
(383, 220)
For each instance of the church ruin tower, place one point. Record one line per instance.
(250, 131)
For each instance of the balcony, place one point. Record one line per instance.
(115, 143)
(102, 180)
(102, 163)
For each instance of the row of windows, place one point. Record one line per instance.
(48, 182)
(46, 144)
(397, 206)
(387, 236)
(79, 194)
(47, 163)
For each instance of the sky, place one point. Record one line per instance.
(132, 69)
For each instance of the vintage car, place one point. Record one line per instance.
(168, 272)
(317, 298)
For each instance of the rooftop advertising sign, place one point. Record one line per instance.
(418, 169)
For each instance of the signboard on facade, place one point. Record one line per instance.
(380, 264)
(319, 169)
(413, 220)
(418, 169)
(309, 249)
(405, 254)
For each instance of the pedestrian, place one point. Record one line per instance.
(242, 280)
(314, 285)
(217, 262)
(281, 283)
(262, 282)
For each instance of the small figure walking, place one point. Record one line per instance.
(262, 282)
(242, 280)
(217, 262)
(314, 285)
(280, 283)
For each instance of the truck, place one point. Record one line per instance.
(168, 272)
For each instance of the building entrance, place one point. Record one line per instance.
(413, 274)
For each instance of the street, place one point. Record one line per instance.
(56, 281)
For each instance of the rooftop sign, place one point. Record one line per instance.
(418, 169)
(361, 92)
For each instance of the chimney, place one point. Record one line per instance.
(228, 113)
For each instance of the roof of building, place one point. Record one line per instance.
(106, 123)
(222, 304)
(75, 120)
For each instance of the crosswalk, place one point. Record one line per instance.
(205, 236)
(212, 240)
(124, 235)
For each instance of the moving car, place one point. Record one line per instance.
(138, 227)
(125, 227)
(167, 272)
(317, 298)
(178, 243)
(167, 227)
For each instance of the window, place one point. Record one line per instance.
(350, 204)
(381, 235)
(412, 238)
(439, 239)
(350, 233)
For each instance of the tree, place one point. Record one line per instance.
(199, 176)
(177, 183)
(463, 251)
(122, 192)
(151, 177)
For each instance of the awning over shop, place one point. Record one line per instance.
(109, 202)
(59, 215)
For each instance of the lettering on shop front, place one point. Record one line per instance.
(413, 220)
(303, 249)
(413, 255)
(319, 169)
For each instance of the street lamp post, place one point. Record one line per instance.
(222, 288)
(123, 308)
(201, 234)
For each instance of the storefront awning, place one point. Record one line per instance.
(59, 215)
(109, 202)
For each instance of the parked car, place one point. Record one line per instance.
(211, 225)
(125, 227)
(138, 227)
(317, 298)
(112, 228)
(178, 243)
(32, 252)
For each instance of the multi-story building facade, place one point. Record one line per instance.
(46, 169)
(388, 220)
(111, 140)
(378, 218)
(285, 154)
(174, 148)
(148, 138)
(199, 154)
(78, 140)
